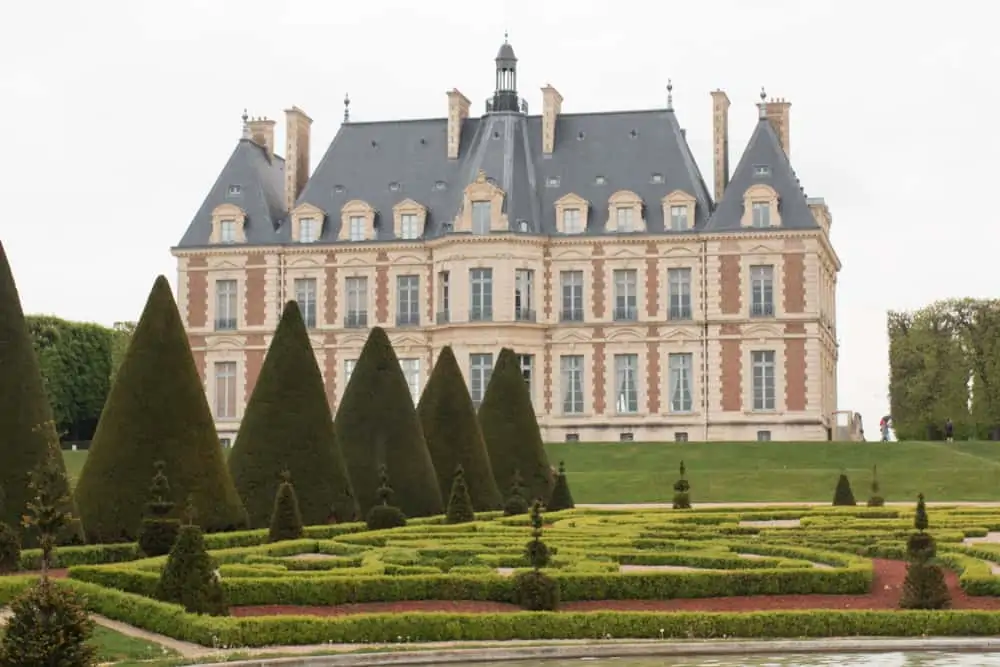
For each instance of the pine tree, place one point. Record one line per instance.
(515, 503)
(535, 590)
(562, 498)
(47, 515)
(288, 426)
(453, 435)
(377, 425)
(924, 586)
(384, 515)
(510, 428)
(286, 520)
(682, 496)
(920, 521)
(876, 499)
(459, 503)
(159, 530)
(843, 495)
(27, 431)
(156, 411)
(189, 577)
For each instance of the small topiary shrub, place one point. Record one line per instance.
(535, 590)
(925, 586)
(682, 496)
(562, 498)
(843, 495)
(189, 577)
(876, 499)
(384, 516)
(460, 503)
(286, 520)
(48, 626)
(515, 503)
(10, 545)
(158, 531)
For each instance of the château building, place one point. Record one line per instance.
(642, 305)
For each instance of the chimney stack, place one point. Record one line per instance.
(458, 111)
(551, 108)
(720, 141)
(262, 133)
(297, 128)
(777, 115)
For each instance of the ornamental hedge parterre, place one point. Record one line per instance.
(595, 555)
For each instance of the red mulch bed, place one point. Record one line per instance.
(55, 574)
(886, 591)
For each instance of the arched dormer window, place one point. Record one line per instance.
(678, 211)
(307, 223)
(625, 212)
(482, 208)
(357, 221)
(228, 224)
(760, 207)
(408, 219)
(571, 213)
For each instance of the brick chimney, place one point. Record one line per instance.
(262, 133)
(777, 115)
(720, 141)
(551, 108)
(458, 111)
(297, 128)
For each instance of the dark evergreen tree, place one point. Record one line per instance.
(156, 411)
(682, 491)
(189, 577)
(459, 503)
(385, 515)
(510, 428)
(843, 495)
(10, 545)
(453, 435)
(286, 520)
(515, 503)
(535, 590)
(875, 499)
(920, 521)
(27, 432)
(48, 515)
(377, 425)
(924, 586)
(159, 530)
(288, 426)
(561, 498)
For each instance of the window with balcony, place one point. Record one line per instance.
(444, 297)
(409, 227)
(305, 296)
(762, 290)
(308, 230)
(762, 362)
(626, 383)
(357, 232)
(679, 294)
(680, 368)
(357, 303)
(572, 221)
(227, 231)
(225, 390)
(626, 299)
(225, 305)
(527, 364)
(571, 381)
(572, 296)
(481, 295)
(524, 287)
(761, 214)
(411, 371)
(481, 217)
(407, 301)
(480, 369)
(678, 218)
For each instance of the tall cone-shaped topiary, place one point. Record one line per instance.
(377, 425)
(453, 435)
(843, 495)
(288, 426)
(511, 430)
(27, 433)
(156, 411)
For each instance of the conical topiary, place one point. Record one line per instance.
(875, 499)
(453, 435)
(924, 586)
(286, 520)
(156, 411)
(843, 495)
(27, 433)
(10, 545)
(377, 425)
(459, 503)
(561, 498)
(288, 426)
(510, 428)
(682, 491)
(189, 578)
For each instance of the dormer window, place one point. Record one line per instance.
(235, 190)
(571, 214)
(357, 232)
(307, 223)
(408, 226)
(625, 213)
(572, 221)
(761, 214)
(228, 222)
(480, 217)
(760, 207)
(227, 231)
(308, 230)
(678, 211)
(624, 220)
(357, 221)
(482, 208)
(409, 217)
(678, 218)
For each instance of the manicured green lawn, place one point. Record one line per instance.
(638, 472)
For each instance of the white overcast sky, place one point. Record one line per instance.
(117, 116)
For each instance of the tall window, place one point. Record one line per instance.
(305, 295)
(626, 302)
(626, 383)
(572, 296)
(308, 230)
(480, 217)
(679, 293)
(762, 290)
(572, 221)
(480, 369)
(407, 301)
(678, 218)
(357, 228)
(349, 365)
(680, 367)
(481, 297)
(444, 297)
(411, 371)
(408, 226)
(624, 215)
(227, 231)
(527, 363)
(571, 374)
(763, 379)
(761, 214)
(225, 390)
(225, 305)
(524, 285)
(357, 303)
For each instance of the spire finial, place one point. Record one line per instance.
(347, 108)
(670, 95)
(246, 124)
(505, 35)
(763, 103)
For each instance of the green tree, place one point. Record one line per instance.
(535, 590)
(510, 428)
(453, 435)
(27, 434)
(159, 530)
(157, 411)
(286, 519)
(843, 495)
(288, 426)
(924, 586)
(121, 336)
(920, 521)
(515, 503)
(682, 491)
(384, 515)
(875, 499)
(459, 503)
(377, 425)
(189, 577)
(562, 498)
